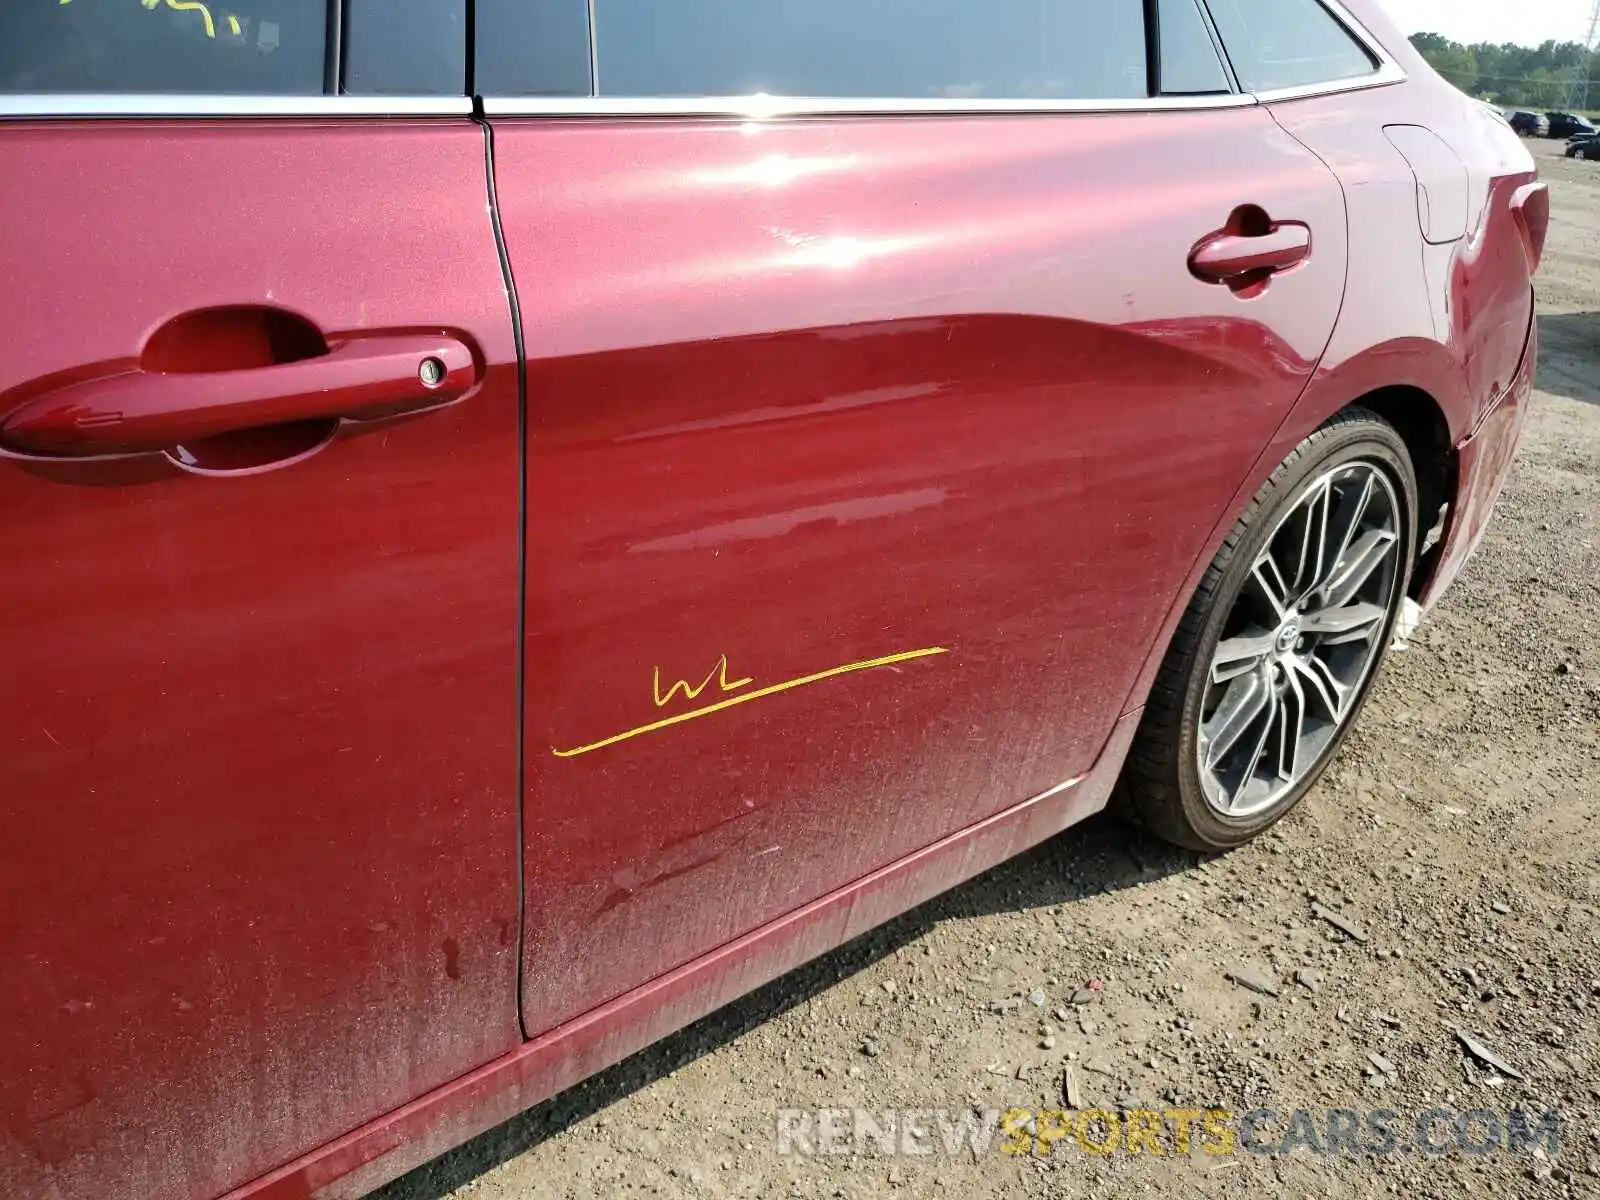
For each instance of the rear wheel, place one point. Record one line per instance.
(1274, 656)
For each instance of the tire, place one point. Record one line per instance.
(1309, 681)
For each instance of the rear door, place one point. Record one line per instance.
(258, 695)
(871, 433)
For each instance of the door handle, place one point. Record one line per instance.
(1227, 256)
(142, 411)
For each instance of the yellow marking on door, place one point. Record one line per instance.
(718, 672)
(746, 697)
(186, 6)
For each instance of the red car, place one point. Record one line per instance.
(525, 521)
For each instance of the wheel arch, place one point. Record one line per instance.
(1408, 382)
(1421, 423)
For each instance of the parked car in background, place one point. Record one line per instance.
(1567, 125)
(491, 578)
(1584, 147)
(1529, 124)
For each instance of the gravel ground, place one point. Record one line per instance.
(1453, 833)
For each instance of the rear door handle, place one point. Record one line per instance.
(360, 379)
(1227, 256)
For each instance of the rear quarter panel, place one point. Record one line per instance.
(1451, 321)
(1451, 318)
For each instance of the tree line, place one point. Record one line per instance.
(1514, 76)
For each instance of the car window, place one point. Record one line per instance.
(525, 49)
(264, 47)
(1287, 43)
(1189, 61)
(923, 49)
(405, 47)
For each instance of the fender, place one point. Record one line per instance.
(1411, 362)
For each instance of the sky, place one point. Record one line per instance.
(1527, 22)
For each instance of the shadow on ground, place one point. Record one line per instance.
(1569, 356)
(1100, 855)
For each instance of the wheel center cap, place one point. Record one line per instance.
(1288, 635)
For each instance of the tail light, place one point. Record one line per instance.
(1530, 204)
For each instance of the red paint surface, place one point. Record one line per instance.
(1485, 463)
(801, 395)
(811, 393)
(367, 1157)
(258, 733)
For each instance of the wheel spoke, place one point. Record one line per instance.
(1363, 558)
(1314, 539)
(1269, 582)
(1322, 684)
(1291, 727)
(1347, 520)
(1239, 656)
(1242, 704)
(1257, 752)
(1352, 623)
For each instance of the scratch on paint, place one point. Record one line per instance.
(719, 672)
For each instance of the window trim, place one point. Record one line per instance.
(1217, 48)
(761, 107)
(333, 54)
(1152, 48)
(200, 104)
(594, 51)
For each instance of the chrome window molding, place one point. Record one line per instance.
(77, 106)
(1385, 75)
(759, 107)
(750, 108)
(594, 51)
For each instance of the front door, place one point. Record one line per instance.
(257, 662)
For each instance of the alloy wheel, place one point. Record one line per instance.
(1301, 639)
